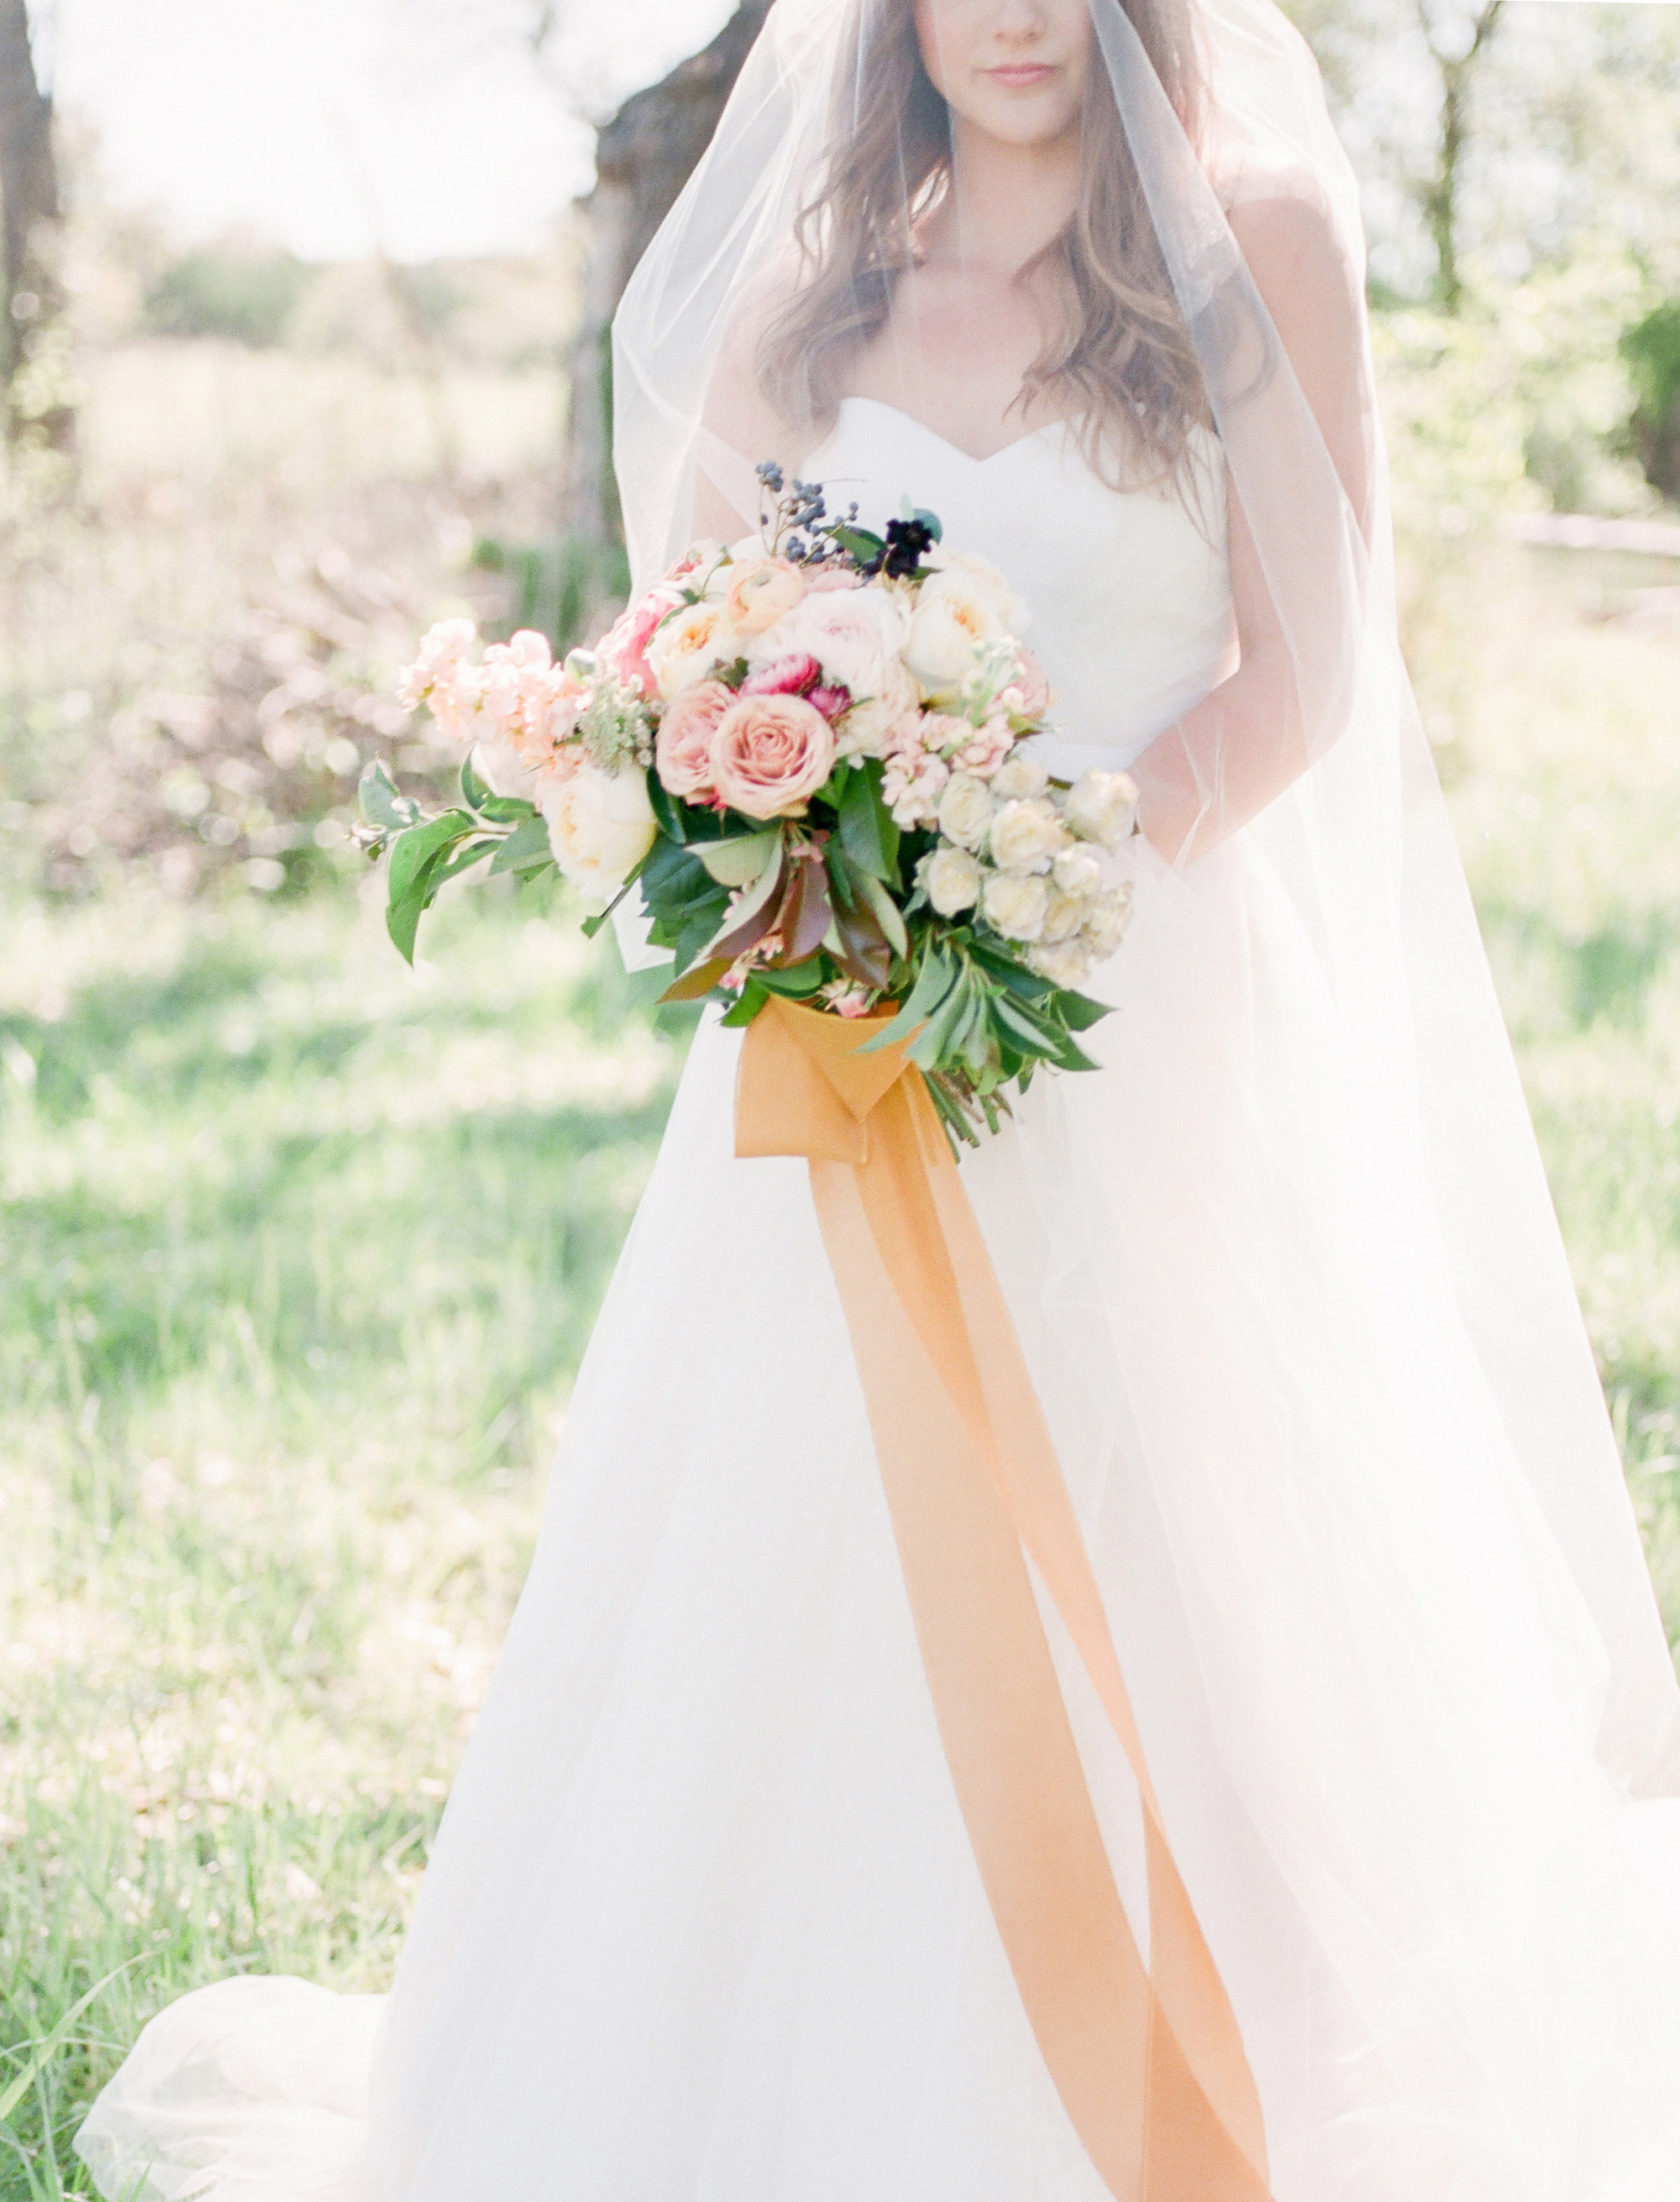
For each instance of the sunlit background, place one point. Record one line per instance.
(299, 1249)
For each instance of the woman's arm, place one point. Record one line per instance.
(1225, 760)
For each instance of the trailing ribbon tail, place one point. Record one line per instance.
(1149, 2064)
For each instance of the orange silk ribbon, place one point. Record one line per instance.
(1148, 2061)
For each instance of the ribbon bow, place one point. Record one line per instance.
(1147, 2061)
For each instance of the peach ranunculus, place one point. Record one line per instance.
(764, 590)
(770, 754)
(682, 746)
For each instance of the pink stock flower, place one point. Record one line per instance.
(770, 754)
(795, 674)
(762, 593)
(1030, 684)
(623, 646)
(682, 746)
(986, 748)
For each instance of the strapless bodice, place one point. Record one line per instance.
(1130, 590)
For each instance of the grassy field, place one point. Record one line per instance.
(298, 1253)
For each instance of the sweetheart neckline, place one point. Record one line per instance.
(968, 458)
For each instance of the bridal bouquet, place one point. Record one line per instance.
(811, 754)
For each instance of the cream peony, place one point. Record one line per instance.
(770, 754)
(692, 643)
(601, 825)
(1102, 806)
(1025, 835)
(1019, 775)
(964, 811)
(952, 879)
(1014, 903)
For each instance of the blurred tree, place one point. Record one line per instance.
(644, 156)
(1457, 46)
(34, 404)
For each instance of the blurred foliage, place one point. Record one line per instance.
(1651, 350)
(249, 296)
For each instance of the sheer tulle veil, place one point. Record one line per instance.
(1321, 767)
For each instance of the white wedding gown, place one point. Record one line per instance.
(703, 1924)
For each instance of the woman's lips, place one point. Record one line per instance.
(1014, 73)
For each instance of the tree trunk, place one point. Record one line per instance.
(1440, 193)
(645, 154)
(29, 203)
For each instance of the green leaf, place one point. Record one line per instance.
(934, 982)
(796, 980)
(381, 804)
(934, 1042)
(886, 914)
(859, 543)
(742, 858)
(868, 832)
(526, 848)
(753, 1000)
(1079, 1012)
(413, 851)
(1024, 1028)
(695, 985)
(51, 2043)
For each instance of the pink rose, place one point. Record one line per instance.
(825, 580)
(682, 745)
(795, 674)
(761, 594)
(623, 646)
(770, 754)
(1032, 685)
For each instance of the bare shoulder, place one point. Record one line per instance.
(1298, 261)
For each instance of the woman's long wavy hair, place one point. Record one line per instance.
(1116, 359)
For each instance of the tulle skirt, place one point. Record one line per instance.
(703, 1924)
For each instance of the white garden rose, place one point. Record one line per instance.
(856, 635)
(945, 633)
(964, 571)
(1077, 872)
(691, 643)
(1020, 774)
(964, 811)
(1106, 916)
(1064, 914)
(952, 879)
(1102, 806)
(1026, 835)
(868, 727)
(1014, 903)
(1063, 963)
(601, 825)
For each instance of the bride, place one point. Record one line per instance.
(705, 1922)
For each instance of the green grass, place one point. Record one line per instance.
(299, 1253)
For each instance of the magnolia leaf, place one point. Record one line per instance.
(751, 916)
(694, 984)
(868, 831)
(526, 848)
(381, 804)
(742, 859)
